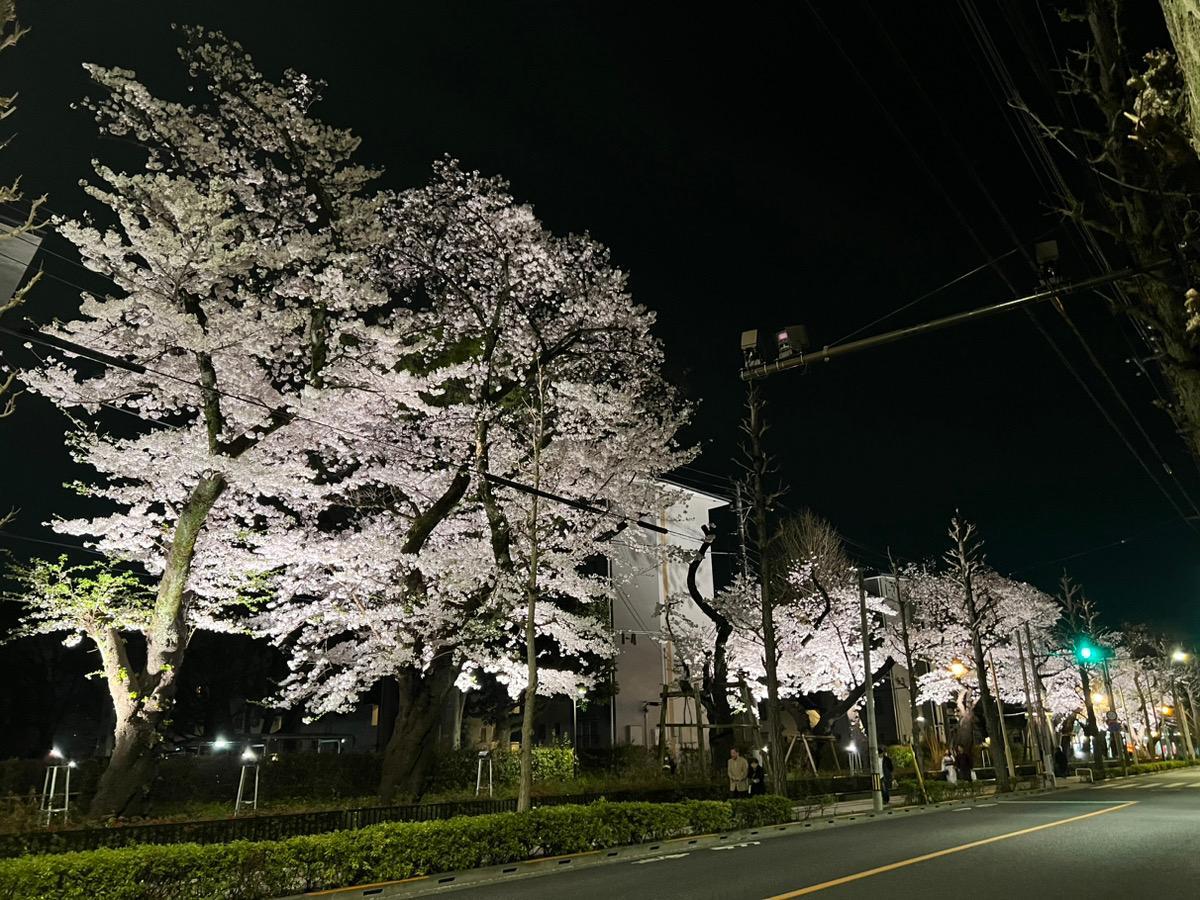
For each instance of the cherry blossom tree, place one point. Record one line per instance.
(533, 377)
(236, 254)
(945, 632)
(567, 394)
(816, 621)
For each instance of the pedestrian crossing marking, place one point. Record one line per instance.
(1177, 784)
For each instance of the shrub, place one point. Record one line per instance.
(938, 791)
(457, 769)
(764, 810)
(902, 756)
(245, 870)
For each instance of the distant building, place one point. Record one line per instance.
(893, 709)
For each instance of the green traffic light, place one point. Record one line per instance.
(1085, 652)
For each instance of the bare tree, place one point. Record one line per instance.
(761, 472)
(966, 564)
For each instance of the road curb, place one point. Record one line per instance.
(424, 885)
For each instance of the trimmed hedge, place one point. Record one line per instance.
(245, 870)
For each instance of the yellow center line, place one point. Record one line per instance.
(365, 887)
(857, 876)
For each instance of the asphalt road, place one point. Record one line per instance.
(1132, 838)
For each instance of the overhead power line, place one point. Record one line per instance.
(970, 230)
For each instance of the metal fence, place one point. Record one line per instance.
(278, 827)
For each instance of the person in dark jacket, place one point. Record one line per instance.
(758, 778)
(1060, 762)
(889, 769)
(963, 763)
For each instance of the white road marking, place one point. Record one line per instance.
(982, 805)
(1177, 784)
(641, 862)
(736, 846)
(1044, 802)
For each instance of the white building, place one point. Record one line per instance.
(643, 582)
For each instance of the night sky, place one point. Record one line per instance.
(745, 177)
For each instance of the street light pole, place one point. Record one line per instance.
(872, 734)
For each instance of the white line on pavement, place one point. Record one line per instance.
(1177, 784)
(642, 862)
(1044, 802)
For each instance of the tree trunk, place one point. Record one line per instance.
(125, 785)
(142, 700)
(411, 750)
(964, 732)
(1092, 728)
(991, 715)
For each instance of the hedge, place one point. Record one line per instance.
(456, 769)
(245, 870)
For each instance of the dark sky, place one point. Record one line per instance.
(746, 178)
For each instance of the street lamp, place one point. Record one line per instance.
(220, 743)
(957, 668)
(1179, 656)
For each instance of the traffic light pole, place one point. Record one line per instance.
(825, 354)
(1112, 705)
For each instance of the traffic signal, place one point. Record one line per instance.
(1087, 651)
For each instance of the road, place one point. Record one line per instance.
(1129, 838)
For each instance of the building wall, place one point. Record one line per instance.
(643, 582)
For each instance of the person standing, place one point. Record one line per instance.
(757, 777)
(889, 768)
(948, 771)
(739, 772)
(962, 762)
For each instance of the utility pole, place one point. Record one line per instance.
(910, 668)
(1112, 705)
(759, 470)
(1012, 771)
(1043, 724)
(740, 512)
(872, 733)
